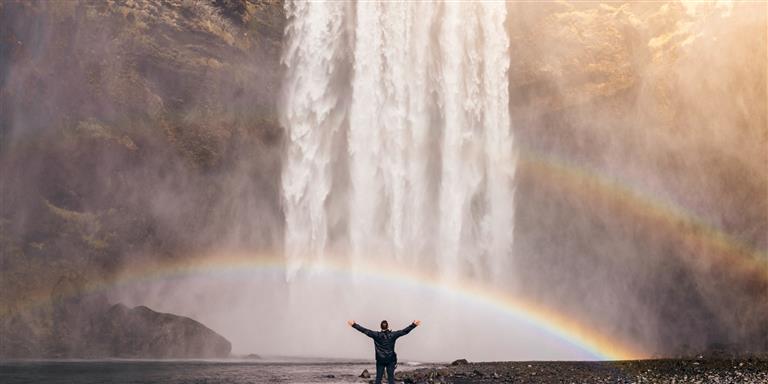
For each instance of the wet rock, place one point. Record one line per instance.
(365, 374)
(754, 370)
(460, 362)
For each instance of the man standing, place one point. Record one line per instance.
(384, 343)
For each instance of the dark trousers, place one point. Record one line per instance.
(390, 367)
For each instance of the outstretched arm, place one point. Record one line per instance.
(407, 329)
(360, 328)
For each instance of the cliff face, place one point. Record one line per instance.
(131, 128)
(642, 183)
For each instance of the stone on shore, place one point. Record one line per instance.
(460, 362)
(743, 370)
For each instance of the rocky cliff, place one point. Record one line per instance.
(130, 129)
(642, 181)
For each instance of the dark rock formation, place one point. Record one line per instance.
(74, 324)
(460, 362)
(92, 329)
(142, 332)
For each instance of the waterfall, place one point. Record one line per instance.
(312, 112)
(399, 139)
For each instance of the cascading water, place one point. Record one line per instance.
(399, 141)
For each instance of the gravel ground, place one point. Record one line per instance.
(748, 370)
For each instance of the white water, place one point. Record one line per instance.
(399, 145)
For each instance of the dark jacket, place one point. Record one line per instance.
(384, 342)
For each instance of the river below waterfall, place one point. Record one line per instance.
(185, 371)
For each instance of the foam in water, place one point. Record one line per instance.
(399, 135)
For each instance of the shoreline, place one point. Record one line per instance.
(689, 370)
(696, 370)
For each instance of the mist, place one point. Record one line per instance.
(606, 162)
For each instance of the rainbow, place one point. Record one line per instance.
(706, 245)
(550, 322)
(528, 312)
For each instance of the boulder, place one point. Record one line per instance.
(460, 362)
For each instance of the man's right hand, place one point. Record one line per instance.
(351, 322)
(417, 322)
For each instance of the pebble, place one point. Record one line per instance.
(635, 372)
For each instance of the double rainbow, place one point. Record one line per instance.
(705, 241)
